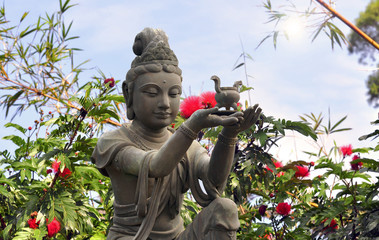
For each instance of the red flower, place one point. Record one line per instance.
(277, 165)
(53, 227)
(312, 163)
(190, 105)
(33, 223)
(283, 208)
(66, 173)
(266, 236)
(49, 171)
(302, 172)
(280, 174)
(346, 150)
(55, 165)
(333, 224)
(29, 128)
(208, 99)
(262, 210)
(356, 166)
(110, 81)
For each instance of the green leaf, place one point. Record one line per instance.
(39, 234)
(274, 38)
(11, 100)
(244, 88)
(49, 122)
(238, 66)
(25, 233)
(16, 126)
(375, 133)
(4, 192)
(22, 175)
(113, 97)
(16, 140)
(23, 16)
(26, 32)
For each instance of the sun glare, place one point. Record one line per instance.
(294, 28)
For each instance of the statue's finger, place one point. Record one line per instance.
(229, 121)
(208, 111)
(237, 114)
(256, 115)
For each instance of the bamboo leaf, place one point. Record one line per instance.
(238, 66)
(24, 16)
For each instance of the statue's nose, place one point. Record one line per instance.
(164, 102)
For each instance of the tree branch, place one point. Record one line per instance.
(38, 92)
(349, 24)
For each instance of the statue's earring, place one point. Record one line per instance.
(128, 95)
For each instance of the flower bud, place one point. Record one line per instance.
(110, 81)
(262, 210)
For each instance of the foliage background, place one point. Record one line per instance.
(73, 153)
(301, 75)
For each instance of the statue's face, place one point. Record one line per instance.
(156, 99)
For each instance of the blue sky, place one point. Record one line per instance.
(297, 77)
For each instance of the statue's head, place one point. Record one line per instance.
(153, 56)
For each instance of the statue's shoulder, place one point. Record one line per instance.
(118, 134)
(108, 145)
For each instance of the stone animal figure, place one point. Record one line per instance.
(226, 96)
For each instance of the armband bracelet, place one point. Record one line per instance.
(188, 132)
(230, 142)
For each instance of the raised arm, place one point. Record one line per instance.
(174, 149)
(165, 159)
(223, 153)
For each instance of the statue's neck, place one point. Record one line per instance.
(154, 136)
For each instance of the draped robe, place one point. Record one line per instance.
(156, 202)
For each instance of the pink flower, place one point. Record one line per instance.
(277, 165)
(302, 172)
(32, 223)
(346, 150)
(55, 165)
(110, 81)
(283, 208)
(208, 99)
(53, 227)
(356, 166)
(190, 105)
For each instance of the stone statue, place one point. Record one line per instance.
(151, 166)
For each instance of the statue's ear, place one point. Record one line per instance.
(127, 91)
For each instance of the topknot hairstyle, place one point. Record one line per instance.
(153, 55)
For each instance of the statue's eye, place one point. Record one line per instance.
(175, 92)
(152, 92)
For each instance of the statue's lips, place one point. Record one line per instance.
(162, 115)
